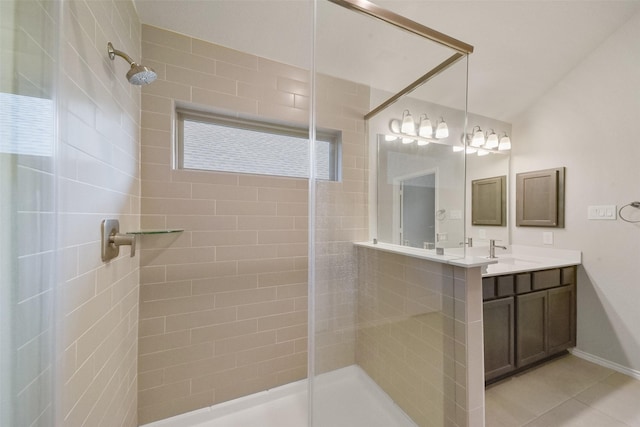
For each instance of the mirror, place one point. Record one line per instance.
(423, 198)
(419, 187)
(481, 168)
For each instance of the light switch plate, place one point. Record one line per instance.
(602, 212)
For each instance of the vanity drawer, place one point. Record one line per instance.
(568, 276)
(523, 283)
(504, 286)
(488, 288)
(545, 279)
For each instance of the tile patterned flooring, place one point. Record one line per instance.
(567, 392)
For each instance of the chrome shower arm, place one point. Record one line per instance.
(113, 52)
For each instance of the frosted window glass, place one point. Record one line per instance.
(221, 147)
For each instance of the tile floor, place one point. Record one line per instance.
(567, 392)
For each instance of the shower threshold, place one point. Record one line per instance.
(345, 397)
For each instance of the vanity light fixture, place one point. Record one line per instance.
(405, 130)
(505, 143)
(442, 131)
(408, 125)
(492, 140)
(475, 142)
(478, 137)
(426, 129)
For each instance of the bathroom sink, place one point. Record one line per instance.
(508, 263)
(514, 261)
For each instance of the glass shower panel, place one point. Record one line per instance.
(383, 325)
(27, 212)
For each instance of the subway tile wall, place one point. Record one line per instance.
(223, 309)
(99, 178)
(413, 323)
(341, 219)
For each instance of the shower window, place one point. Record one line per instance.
(231, 144)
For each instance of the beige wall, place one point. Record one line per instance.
(224, 304)
(420, 336)
(99, 178)
(588, 123)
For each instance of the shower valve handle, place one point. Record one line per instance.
(124, 240)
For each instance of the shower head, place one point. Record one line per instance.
(138, 74)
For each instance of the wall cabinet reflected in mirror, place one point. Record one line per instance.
(489, 201)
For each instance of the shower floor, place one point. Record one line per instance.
(346, 397)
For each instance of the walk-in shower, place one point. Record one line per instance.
(266, 287)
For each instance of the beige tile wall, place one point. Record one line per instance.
(341, 219)
(99, 178)
(412, 327)
(224, 304)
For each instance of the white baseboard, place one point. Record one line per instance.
(606, 363)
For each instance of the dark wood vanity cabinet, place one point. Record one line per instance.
(528, 317)
(499, 334)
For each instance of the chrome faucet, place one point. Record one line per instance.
(492, 249)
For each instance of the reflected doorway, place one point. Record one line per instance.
(415, 214)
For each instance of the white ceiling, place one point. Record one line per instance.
(522, 48)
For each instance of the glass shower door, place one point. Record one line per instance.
(27, 212)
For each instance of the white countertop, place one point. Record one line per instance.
(515, 259)
(452, 256)
(518, 259)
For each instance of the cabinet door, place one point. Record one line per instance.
(562, 328)
(531, 327)
(498, 321)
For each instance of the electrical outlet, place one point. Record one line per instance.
(547, 237)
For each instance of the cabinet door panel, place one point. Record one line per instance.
(561, 331)
(498, 321)
(531, 327)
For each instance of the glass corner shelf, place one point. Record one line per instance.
(145, 232)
